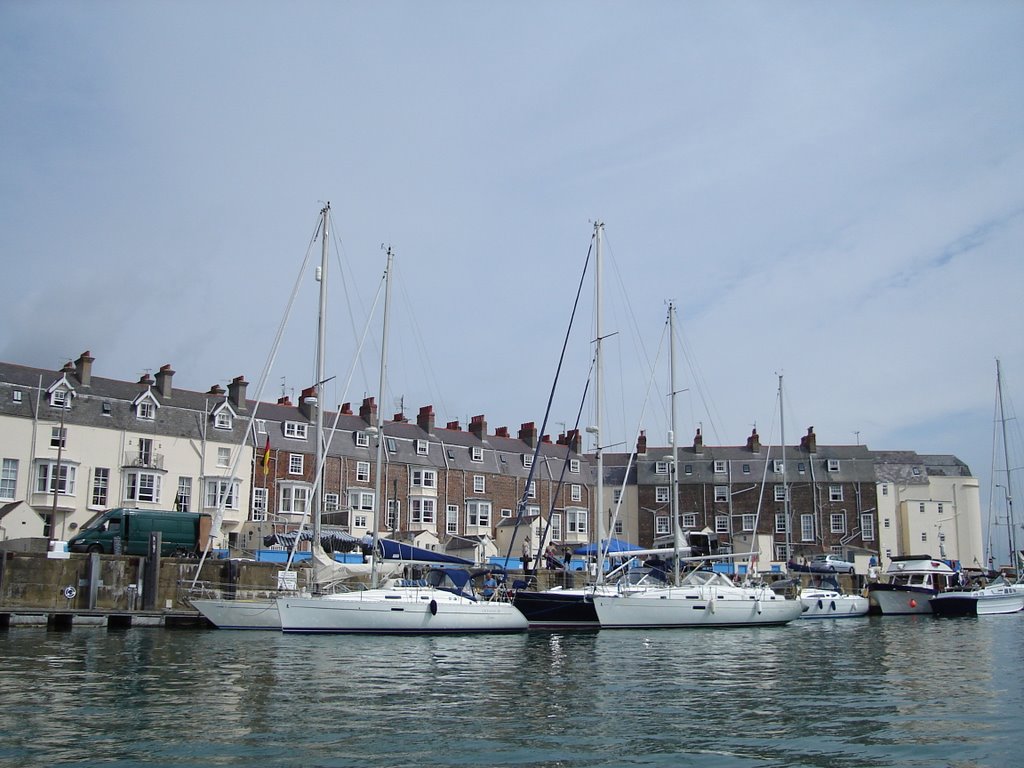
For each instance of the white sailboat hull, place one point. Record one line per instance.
(679, 607)
(239, 614)
(827, 604)
(400, 610)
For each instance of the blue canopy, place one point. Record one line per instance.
(396, 550)
(610, 546)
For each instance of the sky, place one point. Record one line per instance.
(832, 193)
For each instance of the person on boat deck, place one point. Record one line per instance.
(490, 585)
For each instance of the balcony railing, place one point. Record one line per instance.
(144, 459)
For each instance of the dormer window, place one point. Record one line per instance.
(527, 460)
(60, 398)
(295, 430)
(574, 466)
(222, 420)
(422, 447)
(777, 467)
(146, 410)
(362, 439)
(833, 465)
(391, 444)
(719, 466)
(476, 453)
(661, 467)
(16, 395)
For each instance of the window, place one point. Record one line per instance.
(556, 526)
(476, 453)
(293, 499)
(295, 430)
(721, 493)
(296, 462)
(748, 522)
(106, 408)
(833, 465)
(867, 526)
(16, 395)
(259, 505)
(619, 528)
(100, 487)
(835, 493)
(661, 467)
(801, 468)
(361, 500)
(261, 426)
(527, 459)
(885, 522)
(837, 522)
(391, 445)
(394, 514)
(916, 471)
(359, 521)
(60, 398)
(506, 513)
(478, 513)
(222, 492)
(145, 452)
(183, 501)
(780, 493)
(9, 479)
(47, 480)
(223, 457)
(924, 536)
(576, 520)
(574, 466)
(721, 523)
(777, 467)
(719, 467)
(451, 518)
(780, 552)
(362, 471)
(479, 484)
(59, 437)
(143, 486)
(617, 495)
(531, 492)
(746, 469)
(662, 525)
(780, 523)
(661, 494)
(920, 507)
(423, 510)
(424, 478)
(332, 502)
(422, 447)
(885, 489)
(690, 520)
(576, 492)
(938, 508)
(223, 419)
(362, 439)
(807, 527)
(688, 469)
(145, 410)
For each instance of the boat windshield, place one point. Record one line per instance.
(706, 578)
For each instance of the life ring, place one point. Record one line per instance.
(70, 592)
(433, 607)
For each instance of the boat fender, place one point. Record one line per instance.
(820, 606)
(433, 607)
(833, 605)
(913, 603)
(711, 605)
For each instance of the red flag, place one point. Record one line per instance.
(266, 457)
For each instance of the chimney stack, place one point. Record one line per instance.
(236, 392)
(454, 426)
(163, 381)
(425, 419)
(641, 443)
(145, 381)
(368, 411)
(478, 427)
(216, 389)
(83, 368)
(346, 409)
(809, 442)
(501, 432)
(308, 403)
(698, 442)
(528, 434)
(754, 442)
(284, 400)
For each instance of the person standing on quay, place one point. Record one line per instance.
(526, 555)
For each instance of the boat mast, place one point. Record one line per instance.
(677, 533)
(321, 335)
(1011, 536)
(596, 429)
(379, 476)
(787, 510)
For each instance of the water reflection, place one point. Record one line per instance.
(883, 691)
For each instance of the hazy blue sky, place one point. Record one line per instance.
(828, 190)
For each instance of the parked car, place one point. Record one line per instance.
(831, 564)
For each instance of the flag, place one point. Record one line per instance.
(266, 457)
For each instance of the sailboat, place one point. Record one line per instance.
(444, 601)
(701, 598)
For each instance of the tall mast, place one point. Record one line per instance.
(321, 334)
(677, 534)
(1011, 535)
(379, 474)
(785, 486)
(599, 506)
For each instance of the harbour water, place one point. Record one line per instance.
(892, 691)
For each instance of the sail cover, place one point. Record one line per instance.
(331, 539)
(396, 550)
